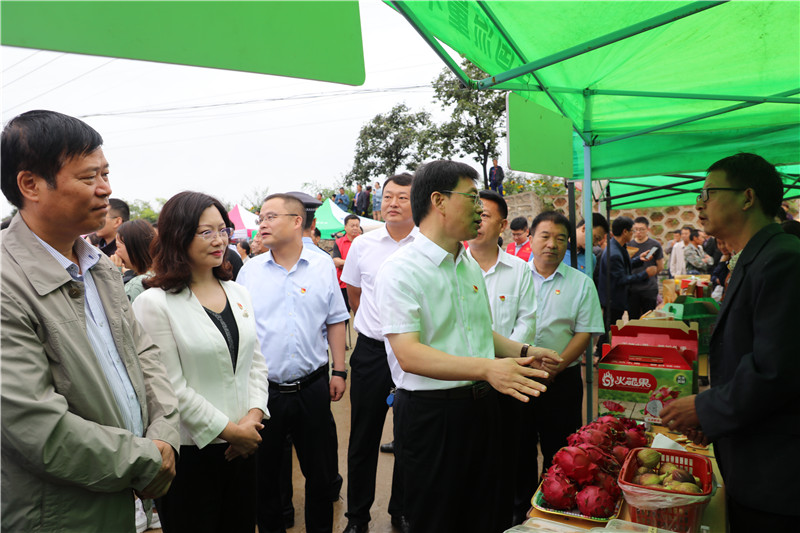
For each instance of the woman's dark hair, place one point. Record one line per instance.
(137, 236)
(177, 226)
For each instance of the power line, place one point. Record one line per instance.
(65, 83)
(308, 96)
(20, 61)
(34, 70)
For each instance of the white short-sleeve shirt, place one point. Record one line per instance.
(364, 259)
(422, 288)
(567, 304)
(512, 297)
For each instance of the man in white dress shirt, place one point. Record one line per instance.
(435, 315)
(295, 297)
(513, 303)
(371, 379)
(568, 315)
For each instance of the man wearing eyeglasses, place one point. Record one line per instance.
(447, 363)
(752, 410)
(371, 377)
(88, 413)
(296, 298)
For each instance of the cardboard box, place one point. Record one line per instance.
(701, 310)
(648, 364)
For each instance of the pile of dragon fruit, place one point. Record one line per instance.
(584, 474)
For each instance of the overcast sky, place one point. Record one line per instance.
(229, 150)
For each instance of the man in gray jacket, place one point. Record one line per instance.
(88, 414)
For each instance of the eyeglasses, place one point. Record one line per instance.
(703, 196)
(210, 234)
(269, 217)
(476, 198)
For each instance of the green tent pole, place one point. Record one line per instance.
(589, 253)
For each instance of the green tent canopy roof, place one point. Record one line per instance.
(633, 76)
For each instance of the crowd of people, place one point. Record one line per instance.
(173, 364)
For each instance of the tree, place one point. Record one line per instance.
(253, 200)
(476, 118)
(395, 140)
(142, 209)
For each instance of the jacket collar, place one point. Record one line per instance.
(41, 269)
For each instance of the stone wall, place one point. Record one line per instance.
(663, 220)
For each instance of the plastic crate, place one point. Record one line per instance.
(670, 510)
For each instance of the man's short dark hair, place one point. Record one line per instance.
(519, 223)
(690, 228)
(751, 171)
(551, 216)
(693, 234)
(621, 224)
(369, 187)
(436, 176)
(317, 233)
(297, 205)
(502, 206)
(598, 221)
(403, 180)
(641, 220)
(118, 208)
(350, 217)
(245, 244)
(41, 142)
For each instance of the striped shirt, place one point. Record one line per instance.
(99, 333)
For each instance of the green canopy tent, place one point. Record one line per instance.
(316, 40)
(651, 88)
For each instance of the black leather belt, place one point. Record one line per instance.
(302, 383)
(369, 340)
(479, 389)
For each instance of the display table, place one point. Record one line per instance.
(713, 516)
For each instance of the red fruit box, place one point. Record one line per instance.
(674, 511)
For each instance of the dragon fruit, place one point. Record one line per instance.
(620, 452)
(558, 491)
(596, 502)
(636, 438)
(590, 436)
(605, 461)
(609, 483)
(575, 463)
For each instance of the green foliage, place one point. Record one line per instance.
(253, 200)
(476, 122)
(144, 210)
(397, 140)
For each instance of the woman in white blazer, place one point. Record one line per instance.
(204, 325)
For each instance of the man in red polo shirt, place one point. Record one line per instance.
(352, 229)
(520, 247)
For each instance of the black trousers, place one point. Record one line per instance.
(371, 382)
(547, 421)
(305, 415)
(450, 460)
(640, 302)
(744, 519)
(210, 494)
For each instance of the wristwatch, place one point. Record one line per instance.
(524, 351)
(339, 373)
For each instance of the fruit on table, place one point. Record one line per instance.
(648, 457)
(596, 501)
(558, 490)
(575, 463)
